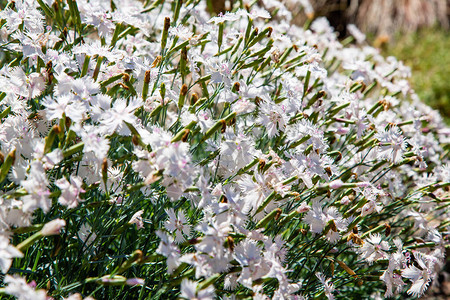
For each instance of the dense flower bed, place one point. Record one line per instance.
(150, 150)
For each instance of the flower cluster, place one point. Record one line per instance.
(256, 158)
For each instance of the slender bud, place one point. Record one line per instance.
(183, 61)
(346, 268)
(217, 126)
(184, 90)
(56, 130)
(387, 230)
(220, 36)
(135, 140)
(194, 98)
(105, 171)
(162, 91)
(224, 126)
(183, 93)
(9, 161)
(113, 280)
(262, 164)
(146, 83)
(165, 33)
(147, 77)
(185, 135)
(157, 60)
(194, 241)
(105, 166)
(277, 216)
(68, 122)
(230, 242)
(48, 69)
(85, 68)
(136, 256)
(269, 217)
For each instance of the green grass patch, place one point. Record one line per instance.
(427, 53)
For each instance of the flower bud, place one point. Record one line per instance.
(303, 208)
(183, 92)
(224, 126)
(185, 135)
(194, 98)
(113, 280)
(387, 230)
(104, 166)
(230, 243)
(53, 227)
(342, 130)
(336, 184)
(165, 32)
(157, 60)
(236, 86)
(135, 281)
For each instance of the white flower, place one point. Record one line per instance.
(392, 280)
(18, 287)
(94, 141)
(36, 186)
(189, 291)
(272, 117)
(228, 16)
(374, 248)
(137, 219)
(70, 191)
(168, 248)
(249, 256)
(178, 224)
(317, 218)
(422, 277)
(328, 286)
(7, 253)
(392, 144)
(113, 119)
(64, 105)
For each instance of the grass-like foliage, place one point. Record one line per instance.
(152, 151)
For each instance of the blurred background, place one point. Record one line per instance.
(414, 31)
